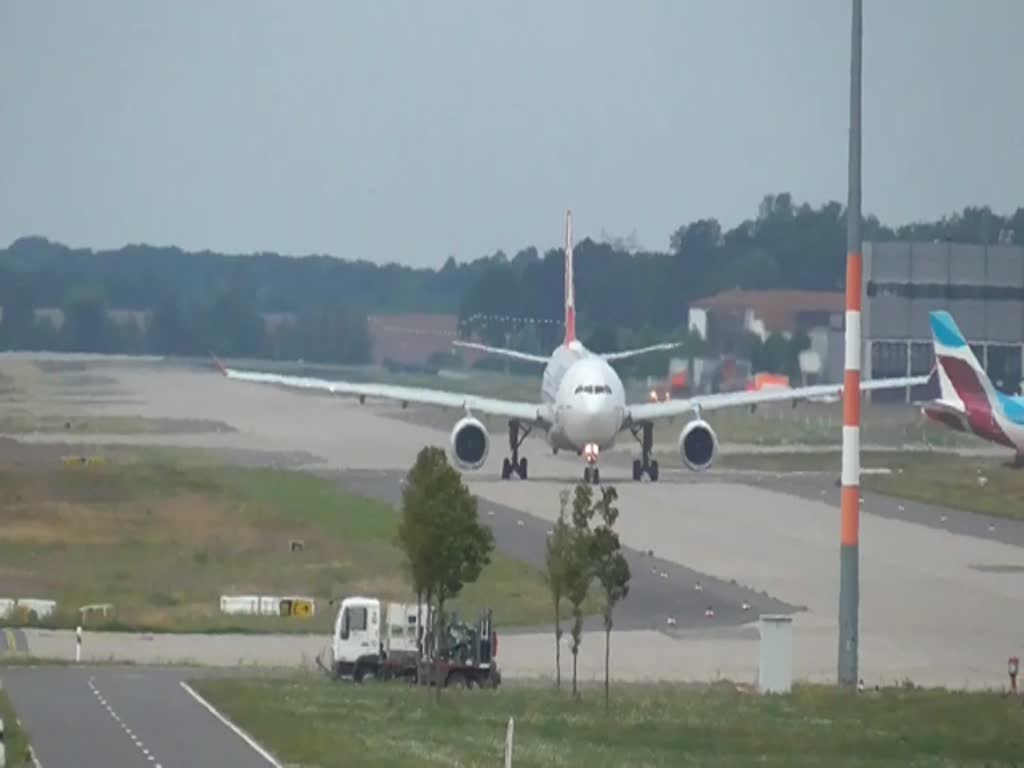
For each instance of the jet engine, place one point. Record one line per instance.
(469, 443)
(698, 445)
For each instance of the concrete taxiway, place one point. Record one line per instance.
(938, 604)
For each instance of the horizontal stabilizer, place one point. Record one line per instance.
(610, 356)
(932, 390)
(502, 352)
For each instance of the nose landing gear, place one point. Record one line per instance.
(591, 474)
(645, 464)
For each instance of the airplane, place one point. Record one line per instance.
(582, 407)
(967, 401)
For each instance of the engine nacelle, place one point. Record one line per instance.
(698, 445)
(469, 443)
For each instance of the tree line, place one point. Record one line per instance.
(227, 324)
(196, 301)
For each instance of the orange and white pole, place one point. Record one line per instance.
(849, 542)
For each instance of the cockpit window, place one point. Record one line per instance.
(593, 389)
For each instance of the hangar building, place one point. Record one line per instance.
(981, 286)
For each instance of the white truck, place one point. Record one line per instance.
(381, 640)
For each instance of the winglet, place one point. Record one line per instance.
(219, 364)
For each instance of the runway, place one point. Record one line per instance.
(120, 718)
(938, 596)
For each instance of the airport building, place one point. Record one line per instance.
(981, 286)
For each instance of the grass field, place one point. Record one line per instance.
(163, 541)
(307, 721)
(15, 738)
(821, 424)
(985, 485)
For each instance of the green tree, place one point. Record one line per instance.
(579, 571)
(421, 492)
(557, 561)
(610, 569)
(18, 323)
(445, 545)
(172, 330)
(232, 325)
(87, 326)
(326, 334)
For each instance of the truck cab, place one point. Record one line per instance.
(367, 633)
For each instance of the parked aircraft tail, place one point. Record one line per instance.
(967, 400)
(961, 377)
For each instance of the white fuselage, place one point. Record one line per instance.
(586, 397)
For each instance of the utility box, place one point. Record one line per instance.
(775, 671)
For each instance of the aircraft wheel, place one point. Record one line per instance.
(638, 469)
(587, 475)
(506, 469)
(597, 476)
(522, 468)
(652, 471)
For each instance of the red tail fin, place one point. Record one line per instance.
(570, 299)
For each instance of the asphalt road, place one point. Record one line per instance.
(121, 718)
(663, 595)
(823, 486)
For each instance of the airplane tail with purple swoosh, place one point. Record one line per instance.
(967, 400)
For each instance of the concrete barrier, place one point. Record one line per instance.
(267, 605)
(41, 608)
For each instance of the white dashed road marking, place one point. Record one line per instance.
(127, 731)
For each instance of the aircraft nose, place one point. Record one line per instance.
(592, 421)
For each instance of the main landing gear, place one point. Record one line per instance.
(645, 465)
(515, 465)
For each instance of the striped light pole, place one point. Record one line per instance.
(849, 555)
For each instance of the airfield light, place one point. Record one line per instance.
(1014, 666)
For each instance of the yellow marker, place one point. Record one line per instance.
(12, 647)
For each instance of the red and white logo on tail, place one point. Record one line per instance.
(570, 299)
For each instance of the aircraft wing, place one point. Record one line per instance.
(502, 352)
(529, 413)
(642, 412)
(611, 356)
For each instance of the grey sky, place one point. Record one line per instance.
(408, 131)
